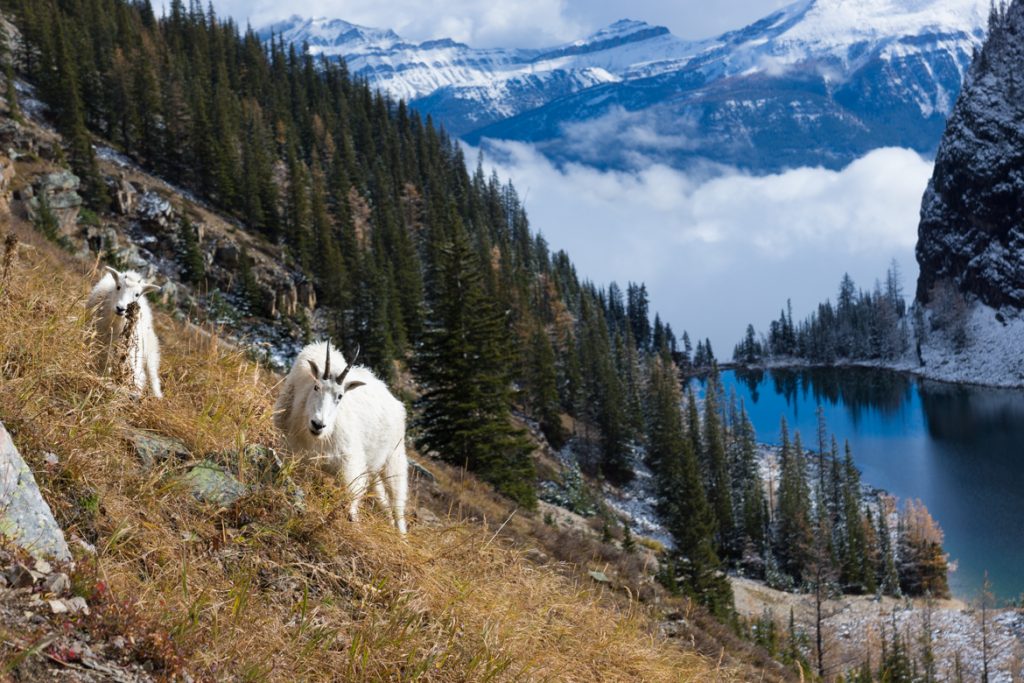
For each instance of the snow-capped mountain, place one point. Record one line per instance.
(818, 82)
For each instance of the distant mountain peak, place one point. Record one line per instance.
(622, 27)
(330, 36)
(814, 82)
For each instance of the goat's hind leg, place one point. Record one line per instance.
(397, 484)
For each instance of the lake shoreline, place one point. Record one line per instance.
(992, 357)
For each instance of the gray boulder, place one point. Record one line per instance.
(25, 518)
(210, 483)
(155, 448)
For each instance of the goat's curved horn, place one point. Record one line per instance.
(344, 373)
(327, 361)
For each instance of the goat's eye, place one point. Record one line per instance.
(119, 289)
(316, 387)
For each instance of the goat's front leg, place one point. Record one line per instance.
(357, 482)
(153, 371)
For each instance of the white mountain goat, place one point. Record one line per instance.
(110, 299)
(348, 422)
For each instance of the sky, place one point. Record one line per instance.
(509, 23)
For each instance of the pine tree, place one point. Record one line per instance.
(754, 517)
(467, 398)
(193, 263)
(45, 220)
(888, 578)
(720, 486)
(682, 501)
(794, 535)
(64, 97)
(857, 574)
(895, 666)
(543, 386)
(11, 92)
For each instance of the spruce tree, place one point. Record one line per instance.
(64, 97)
(794, 536)
(193, 263)
(463, 367)
(682, 500)
(856, 574)
(543, 389)
(717, 467)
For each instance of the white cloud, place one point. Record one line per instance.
(629, 139)
(511, 23)
(525, 23)
(720, 251)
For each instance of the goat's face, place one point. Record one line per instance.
(323, 400)
(128, 288)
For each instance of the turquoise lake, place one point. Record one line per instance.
(960, 449)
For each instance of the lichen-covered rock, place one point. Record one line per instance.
(156, 448)
(25, 518)
(972, 215)
(58, 181)
(210, 483)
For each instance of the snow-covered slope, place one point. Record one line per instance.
(819, 82)
(487, 85)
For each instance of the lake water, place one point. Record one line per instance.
(959, 449)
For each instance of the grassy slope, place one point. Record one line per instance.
(263, 590)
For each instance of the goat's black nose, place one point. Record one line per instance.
(317, 425)
(119, 310)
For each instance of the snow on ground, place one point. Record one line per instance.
(854, 627)
(993, 355)
(638, 501)
(30, 104)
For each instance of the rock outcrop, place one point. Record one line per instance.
(25, 518)
(972, 217)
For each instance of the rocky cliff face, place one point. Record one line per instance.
(972, 216)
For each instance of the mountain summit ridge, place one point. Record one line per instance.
(818, 82)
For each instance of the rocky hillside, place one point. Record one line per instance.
(186, 545)
(972, 216)
(196, 552)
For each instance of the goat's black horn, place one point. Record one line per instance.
(344, 373)
(327, 361)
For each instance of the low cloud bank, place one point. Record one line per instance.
(721, 249)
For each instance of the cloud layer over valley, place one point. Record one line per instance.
(721, 249)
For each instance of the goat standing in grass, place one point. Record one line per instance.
(109, 300)
(349, 422)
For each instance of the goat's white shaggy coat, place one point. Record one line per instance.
(109, 300)
(354, 428)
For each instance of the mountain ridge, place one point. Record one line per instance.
(815, 83)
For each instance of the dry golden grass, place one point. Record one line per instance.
(263, 590)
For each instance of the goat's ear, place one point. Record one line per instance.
(313, 368)
(148, 287)
(117, 275)
(349, 386)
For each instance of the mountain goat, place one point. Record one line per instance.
(350, 422)
(109, 300)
